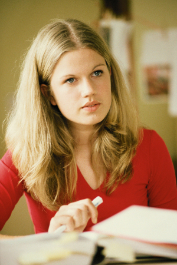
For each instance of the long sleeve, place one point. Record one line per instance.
(10, 188)
(162, 191)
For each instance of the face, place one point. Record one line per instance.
(81, 87)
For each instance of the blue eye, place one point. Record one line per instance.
(70, 80)
(97, 73)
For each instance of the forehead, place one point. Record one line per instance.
(79, 59)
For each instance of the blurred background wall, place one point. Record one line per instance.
(20, 20)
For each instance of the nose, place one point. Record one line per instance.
(88, 88)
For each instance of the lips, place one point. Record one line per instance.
(91, 107)
(91, 104)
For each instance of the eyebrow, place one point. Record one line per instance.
(101, 64)
(67, 76)
(72, 75)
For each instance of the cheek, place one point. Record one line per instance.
(109, 94)
(106, 89)
(65, 101)
(59, 99)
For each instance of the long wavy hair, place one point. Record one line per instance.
(37, 133)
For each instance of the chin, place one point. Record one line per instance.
(95, 122)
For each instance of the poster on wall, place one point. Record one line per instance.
(173, 83)
(117, 34)
(156, 66)
(159, 67)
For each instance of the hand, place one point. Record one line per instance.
(74, 215)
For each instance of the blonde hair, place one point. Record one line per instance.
(37, 134)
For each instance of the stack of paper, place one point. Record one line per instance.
(148, 231)
(68, 248)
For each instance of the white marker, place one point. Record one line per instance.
(97, 201)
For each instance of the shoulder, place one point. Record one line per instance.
(151, 139)
(9, 176)
(152, 149)
(7, 162)
(148, 135)
(10, 188)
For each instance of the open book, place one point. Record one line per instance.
(143, 230)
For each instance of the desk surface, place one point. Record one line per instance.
(150, 261)
(143, 263)
(153, 260)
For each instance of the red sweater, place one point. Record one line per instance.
(153, 184)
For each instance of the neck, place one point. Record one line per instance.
(82, 136)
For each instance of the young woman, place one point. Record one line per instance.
(73, 134)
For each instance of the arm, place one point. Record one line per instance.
(8, 237)
(162, 189)
(10, 188)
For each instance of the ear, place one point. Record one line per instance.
(46, 93)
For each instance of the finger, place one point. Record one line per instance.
(80, 229)
(92, 210)
(81, 215)
(58, 221)
(78, 212)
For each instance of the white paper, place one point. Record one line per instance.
(156, 65)
(12, 249)
(173, 83)
(139, 249)
(159, 66)
(120, 32)
(155, 48)
(142, 223)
